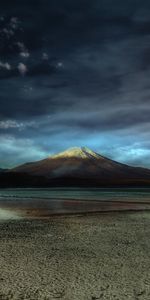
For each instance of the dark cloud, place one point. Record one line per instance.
(75, 73)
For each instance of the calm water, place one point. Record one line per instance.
(141, 194)
(44, 202)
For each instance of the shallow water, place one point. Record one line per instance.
(6, 214)
(99, 194)
(45, 202)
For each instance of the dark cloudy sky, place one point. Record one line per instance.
(74, 73)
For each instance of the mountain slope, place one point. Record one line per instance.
(83, 163)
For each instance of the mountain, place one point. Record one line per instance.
(12, 180)
(82, 166)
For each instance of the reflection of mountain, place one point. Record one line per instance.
(81, 166)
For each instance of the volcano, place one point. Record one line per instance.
(82, 165)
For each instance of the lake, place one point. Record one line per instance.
(35, 202)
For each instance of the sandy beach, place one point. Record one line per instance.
(86, 257)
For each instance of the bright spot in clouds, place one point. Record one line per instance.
(22, 69)
(6, 66)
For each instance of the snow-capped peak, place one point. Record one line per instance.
(78, 152)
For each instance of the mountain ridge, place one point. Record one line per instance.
(81, 162)
(75, 167)
(82, 152)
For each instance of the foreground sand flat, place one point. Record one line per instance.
(101, 256)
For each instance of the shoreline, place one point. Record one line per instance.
(49, 208)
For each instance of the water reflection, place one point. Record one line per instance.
(13, 208)
(6, 214)
(46, 202)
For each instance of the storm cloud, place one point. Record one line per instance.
(74, 73)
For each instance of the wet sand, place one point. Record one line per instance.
(86, 257)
